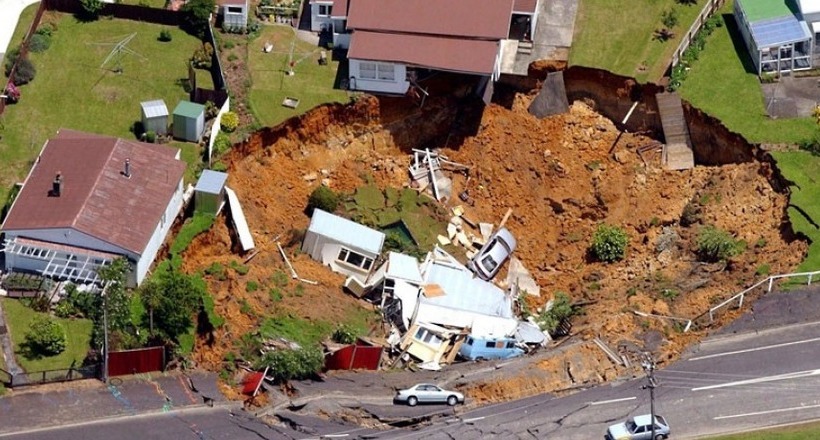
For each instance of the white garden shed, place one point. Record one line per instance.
(343, 245)
(154, 116)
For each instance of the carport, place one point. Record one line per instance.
(777, 37)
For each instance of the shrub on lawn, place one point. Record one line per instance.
(222, 144)
(91, 9)
(343, 335)
(25, 71)
(39, 43)
(46, 337)
(165, 36)
(609, 243)
(229, 122)
(323, 198)
(150, 136)
(715, 244)
(298, 364)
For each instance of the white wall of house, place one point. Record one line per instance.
(158, 237)
(378, 77)
(341, 35)
(327, 251)
(234, 16)
(320, 15)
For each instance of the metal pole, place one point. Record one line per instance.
(649, 366)
(105, 336)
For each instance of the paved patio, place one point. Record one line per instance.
(552, 40)
(791, 97)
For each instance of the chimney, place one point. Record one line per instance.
(127, 171)
(57, 185)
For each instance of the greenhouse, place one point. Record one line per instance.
(778, 38)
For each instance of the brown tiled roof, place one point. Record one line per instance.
(339, 8)
(484, 19)
(524, 5)
(96, 198)
(454, 54)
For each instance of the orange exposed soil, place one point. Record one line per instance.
(560, 180)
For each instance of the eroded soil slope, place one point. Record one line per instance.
(561, 180)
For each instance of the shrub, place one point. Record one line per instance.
(251, 286)
(25, 71)
(228, 45)
(229, 122)
(609, 243)
(211, 110)
(165, 36)
(39, 43)
(222, 143)
(715, 244)
(323, 198)
(150, 136)
(298, 364)
(344, 335)
(763, 270)
(46, 30)
(46, 337)
(195, 16)
(669, 18)
(202, 57)
(91, 9)
(561, 309)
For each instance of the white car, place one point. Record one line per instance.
(493, 254)
(428, 393)
(639, 428)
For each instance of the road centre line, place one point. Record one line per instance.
(758, 413)
(750, 350)
(795, 375)
(604, 402)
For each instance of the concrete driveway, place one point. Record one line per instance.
(8, 21)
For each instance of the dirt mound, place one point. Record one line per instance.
(562, 177)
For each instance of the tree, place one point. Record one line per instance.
(46, 337)
(172, 298)
(116, 300)
(609, 243)
(197, 13)
(91, 9)
(150, 293)
(323, 198)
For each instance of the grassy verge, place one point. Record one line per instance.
(311, 83)
(72, 90)
(617, 37)
(722, 83)
(808, 431)
(20, 317)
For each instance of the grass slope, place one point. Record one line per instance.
(20, 317)
(312, 83)
(72, 91)
(722, 83)
(802, 168)
(808, 431)
(618, 37)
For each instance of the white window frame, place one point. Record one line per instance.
(235, 10)
(328, 9)
(345, 255)
(377, 71)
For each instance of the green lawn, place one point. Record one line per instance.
(159, 4)
(721, 84)
(19, 317)
(809, 431)
(618, 36)
(72, 90)
(312, 83)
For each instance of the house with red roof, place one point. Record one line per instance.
(89, 199)
(391, 43)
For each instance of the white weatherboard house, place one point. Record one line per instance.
(344, 245)
(90, 199)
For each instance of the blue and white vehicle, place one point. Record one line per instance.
(476, 349)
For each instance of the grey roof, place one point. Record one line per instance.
(153, 109)
(779, 31)
(403, 267)
(465, 292)
(211, 182)
(346, 231)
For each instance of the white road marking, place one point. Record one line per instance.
(749, 350)
(785, 376)
(474, 419)
(604, 402)
(796, 408)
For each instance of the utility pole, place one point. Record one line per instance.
(105, 334)
(648, 365)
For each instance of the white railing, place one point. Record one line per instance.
(708, 9)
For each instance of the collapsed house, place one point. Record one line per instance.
(440, 309)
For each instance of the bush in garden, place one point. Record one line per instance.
(39, 43)
(298, 364)
(715, 244)
(344, 335)
(323, 198)
(229, 122)
(222, 144)
(46, 337)
(165, 36)
(609, 243)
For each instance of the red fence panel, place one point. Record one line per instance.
(355, 357)
(141, 360)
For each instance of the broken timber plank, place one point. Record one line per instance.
(285, 257)
(505, 218)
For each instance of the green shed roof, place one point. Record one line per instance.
(189, 109)
(757, 10)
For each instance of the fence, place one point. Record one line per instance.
(740, 297)
(50, 376)
(708, 9)
(216, 127)
(140, 360)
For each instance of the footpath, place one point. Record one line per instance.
(51, 405)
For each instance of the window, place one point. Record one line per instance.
(469, 341)
(352, 258)
(490, 344)
(234, 9)
(420, 333)
(428, 337)
(324, 10)
(510, 344)
(384, 72)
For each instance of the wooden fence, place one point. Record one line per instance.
(708, 9)
(17, 380)
(140, 360)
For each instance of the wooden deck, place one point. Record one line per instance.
(677, 151)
